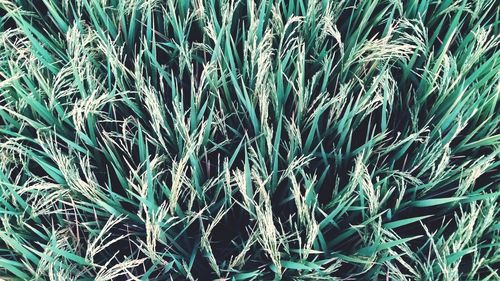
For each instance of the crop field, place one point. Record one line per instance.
(249, 140)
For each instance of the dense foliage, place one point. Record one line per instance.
(249, 140)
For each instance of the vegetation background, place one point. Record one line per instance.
(249, 140)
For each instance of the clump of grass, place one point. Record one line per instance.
(249, 140)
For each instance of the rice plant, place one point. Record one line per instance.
(249, 140)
